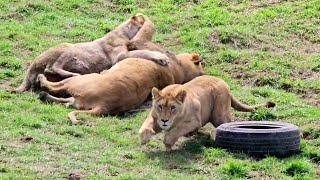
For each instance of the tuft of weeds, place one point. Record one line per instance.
(316, 68)
(227, 56)
(263, 92)
(3, 168)
(262, 114)
(312, 152)
(11, 64)
(310, 132)
(7, 73)
(298, 168)
(286, 84)
(265, 81)
(213, 155)
(235, 169)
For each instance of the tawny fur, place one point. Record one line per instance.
(183, 109)
(67, 60)
(123, 87)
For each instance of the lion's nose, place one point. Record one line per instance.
(164, 120)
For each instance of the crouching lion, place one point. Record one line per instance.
(67, 60)
(123, 87)
(183, 109)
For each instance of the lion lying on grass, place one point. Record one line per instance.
(68, 60)
(183, 109)
(123, 87)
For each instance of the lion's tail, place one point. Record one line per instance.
(37, 67)
(236, 104)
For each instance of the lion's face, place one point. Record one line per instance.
(134, 25)
(192, 64)
(167, 107)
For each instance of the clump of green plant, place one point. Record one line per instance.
(10, 64)
(316, 68)
(227, 56)
(285, 84)
(262, 114)
(310, 132)
(265, 81)
(3, 168)
(298, 168)
(125, 6)
(235, 168)
(261, 92)
(214, 154)
(7, 73)
(312, 152)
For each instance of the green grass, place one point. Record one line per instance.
(265, 51)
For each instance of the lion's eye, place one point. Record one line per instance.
(160, 107)
(172, 108)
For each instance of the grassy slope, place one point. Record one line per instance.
(264, 50)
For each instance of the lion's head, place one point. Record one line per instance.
(167, 107)
(192, 65)
(133, 25)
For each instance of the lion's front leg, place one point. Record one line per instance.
(148, 129)
(155, 56)
(172, 136)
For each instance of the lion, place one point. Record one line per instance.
(68, 60)
(123, 87)
(180, 110)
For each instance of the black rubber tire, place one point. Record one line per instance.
(259, 138)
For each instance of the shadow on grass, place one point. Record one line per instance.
(181, 157)
(142, 108)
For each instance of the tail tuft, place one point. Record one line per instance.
(270, 104)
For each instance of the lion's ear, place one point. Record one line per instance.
(196, 58)
(134, 18)
(181, 96)
(138, 19)
(156, 93)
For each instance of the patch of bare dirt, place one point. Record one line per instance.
(258, 5)
(257, 175)
(306, 75)
(26, 139)
(239, 73)
(214, 38)
(235, 42)
(312, 97)
(246, 78)
(266, 42)
(5, 85)
(262, 79)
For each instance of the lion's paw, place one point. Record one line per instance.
(145, 136)
(161, 58)
(41, 77)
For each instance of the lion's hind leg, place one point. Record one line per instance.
(44, 96)
(72, 115)
(221, 112)
(53, 87)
